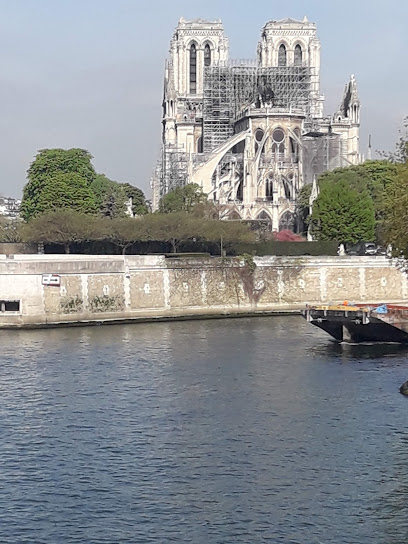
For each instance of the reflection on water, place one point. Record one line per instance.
(370, 351)
(226, 431)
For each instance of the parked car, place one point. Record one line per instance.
(370, 249)
(364, 248)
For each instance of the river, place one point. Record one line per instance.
(204, 432)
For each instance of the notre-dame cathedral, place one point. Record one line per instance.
(251, 133)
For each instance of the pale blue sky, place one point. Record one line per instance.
(89, 73)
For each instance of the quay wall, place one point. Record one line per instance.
(119, 288)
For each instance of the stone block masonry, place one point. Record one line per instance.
(103, 289)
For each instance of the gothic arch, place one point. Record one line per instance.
(206, 170)
(193, 41)
(233, 214)
(264, 215)
(287, 221)
(209, 42)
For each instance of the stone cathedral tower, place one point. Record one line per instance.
(251, 133)
(195, 44)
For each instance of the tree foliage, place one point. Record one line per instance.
(400, 155)
(373, 177)
(343, 213)
(66, 178)
(395, 230)
(10, 230)
(66, 226)
(49, 166)
(63, 226)
(110, 197)
(66, 190)
(182, 199)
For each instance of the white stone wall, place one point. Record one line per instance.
(113, 288)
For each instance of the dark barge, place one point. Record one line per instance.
(361, 323)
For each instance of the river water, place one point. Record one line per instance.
(204, 432)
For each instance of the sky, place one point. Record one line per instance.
(89, 73)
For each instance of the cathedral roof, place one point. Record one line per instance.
(199, 22)
(289, 21)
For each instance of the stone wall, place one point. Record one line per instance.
(103, 288)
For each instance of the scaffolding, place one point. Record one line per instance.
(174, 169)
(231, 87)
(229, 90)
(217, 107)
(321, 152)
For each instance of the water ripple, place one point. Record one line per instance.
(242, 431)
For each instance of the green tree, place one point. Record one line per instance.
(400, 155)
(63, 226)
(169, 227)
(182, 199)
(66, 190)
(46, 168)
(110, 196)
(342, 213)
(395, 230)
(372, 177)
(10, 230)
(123, 231)
(179, 227)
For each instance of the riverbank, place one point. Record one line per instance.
(69, 290)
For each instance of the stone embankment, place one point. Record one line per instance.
(50, 290)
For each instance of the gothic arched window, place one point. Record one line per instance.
(298, 55)
(207, 55)
(282, 55)
(193, 69)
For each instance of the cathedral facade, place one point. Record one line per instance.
(251, 133)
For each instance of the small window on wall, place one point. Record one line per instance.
(9, 306)
(193, 69)
(278, 135)
(207, 55)
(259, 134)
